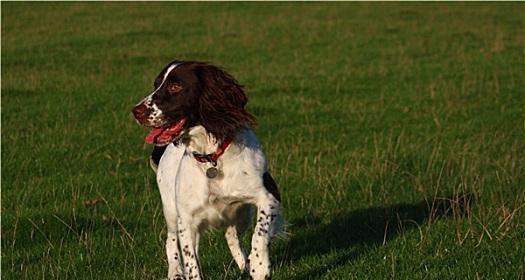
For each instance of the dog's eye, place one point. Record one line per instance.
(174, 88)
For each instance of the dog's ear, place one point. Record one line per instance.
(222, 102)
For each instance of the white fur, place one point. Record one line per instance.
(193, 203)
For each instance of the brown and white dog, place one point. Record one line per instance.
(210, 168)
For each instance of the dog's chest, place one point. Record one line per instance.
(215, 201)
(222, 193)
(219, 208)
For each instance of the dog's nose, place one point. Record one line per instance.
(139, 111)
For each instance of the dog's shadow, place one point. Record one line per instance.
(354, 233)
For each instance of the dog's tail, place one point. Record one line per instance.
(279, 230)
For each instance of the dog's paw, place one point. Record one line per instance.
(177, 277)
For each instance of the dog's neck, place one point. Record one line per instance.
(200, 141)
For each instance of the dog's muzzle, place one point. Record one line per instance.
(141, 112)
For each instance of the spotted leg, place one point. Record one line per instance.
(164, 164)
(173, 255)
(188, 238)
(172, 246)
(265, 229)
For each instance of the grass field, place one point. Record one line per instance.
(375, 117)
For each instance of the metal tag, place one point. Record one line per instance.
(212, 172)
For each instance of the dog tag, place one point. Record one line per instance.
(212, 172)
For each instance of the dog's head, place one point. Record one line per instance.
(187, 94)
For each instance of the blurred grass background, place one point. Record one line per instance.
(375, 117)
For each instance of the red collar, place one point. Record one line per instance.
(215, 156)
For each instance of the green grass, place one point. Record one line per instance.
(375, 117)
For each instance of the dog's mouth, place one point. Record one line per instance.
(161, 136)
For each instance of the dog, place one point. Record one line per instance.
(211, 171)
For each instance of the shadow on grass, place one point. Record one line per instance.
(352, 234)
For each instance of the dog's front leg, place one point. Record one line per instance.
(188, 238)
(172, 246)
(172, 251)
(173, 255)
(259, 259)
(166, 178)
